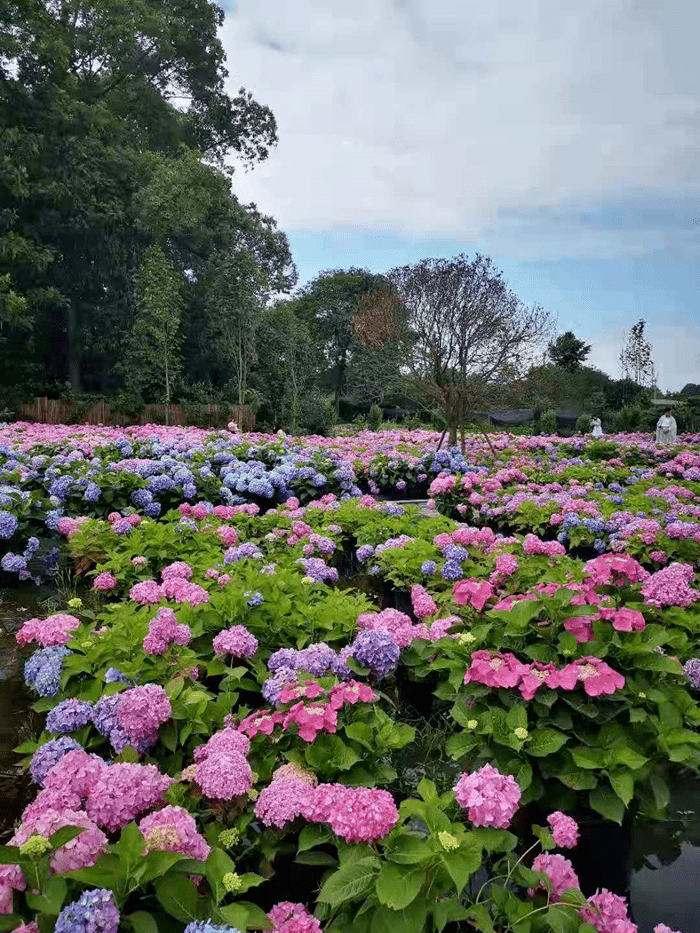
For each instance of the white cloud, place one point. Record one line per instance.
(442, 118)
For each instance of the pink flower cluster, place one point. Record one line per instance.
(355, 814)
(56, 629)
(505, 670)
(608, 913)
(149, 592)
(423, 603)
(564, 829)
(311, 718)
(489, 797)
(123, 791)
(400, 627)
(236, 642)
(559, 871)
(173, 829)
(104, 582)
(142, 710)
(287, 917)
(475, 593)
(533, 546)
(221, 770)
(164, 630)
(671, 586)
(81, 852)
(615, 570)
(177, 571)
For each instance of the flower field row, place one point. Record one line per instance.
(316, 710)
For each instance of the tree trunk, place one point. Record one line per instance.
(342, 367)
(73, 348)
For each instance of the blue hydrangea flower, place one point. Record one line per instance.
(69, 715)
(376, 651)
(49, 754)
(452, 570)
(94, 912)
(43, 670)
(8, 524)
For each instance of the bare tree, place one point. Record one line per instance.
(469, 339)
(636, 362)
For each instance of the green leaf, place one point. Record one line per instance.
(607, 803)
(623, 784)
(407, 849)
(427, 791)
(463, 862)
(578, 780)
(588, 757)
(316, 858)
(350, 881)
(543, 742)
(51, 899)
(479, 917)
(662, 795)
(516, 718)
(495, 840)
(143, 922)
(397, 887)
(624, 755)
(64, 835)
(313, 835)
(9, 855)
(448, 910)
(235, 916)
(178, 897)
(410, 920)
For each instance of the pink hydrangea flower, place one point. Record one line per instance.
(671, 586)
(75, 774)
(608, 913)
(596, 676)
(223, 775)
(56, 629)
(142, 710)
(396, 623)
(236, 642)
(177, 571)
(227, 741)
(489, 797)
(173, 829)
(560, 872)
(147, 593)
(104, 582)
(473, 592)
(164, 630)
(182, 591)
(282, 801)
(659, 928)
(423, 603)
(615, 569)
(501, 670)
(293, 918)
(532, 545)
(564, 829)
(124, 791)
(81, 852)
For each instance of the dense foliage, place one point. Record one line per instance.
(310, 709)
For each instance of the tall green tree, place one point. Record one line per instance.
(329, 305)
(154, 359)
(636, 362)
(100, 100)
(568, 352)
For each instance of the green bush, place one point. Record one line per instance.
(583, 423)
(548, 422)
(375, 418)
(318, 415)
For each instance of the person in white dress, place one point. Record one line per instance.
(666, 428)
(597, 427)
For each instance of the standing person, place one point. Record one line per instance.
(666, 428)
(597, 427)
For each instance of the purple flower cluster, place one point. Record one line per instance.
(69, 715)
(43, 670)
(49, 754)
(93, 912)
(377, 651)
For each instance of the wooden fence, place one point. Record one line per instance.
(63, 411)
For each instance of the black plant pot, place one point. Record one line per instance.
(602, 858)
(417, 695)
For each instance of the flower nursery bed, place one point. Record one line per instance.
(282, 702)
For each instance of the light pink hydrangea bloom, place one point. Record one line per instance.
(564, 829)
(173, 829)
(489, 797)
(560, 872)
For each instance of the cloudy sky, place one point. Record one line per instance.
(561, 139)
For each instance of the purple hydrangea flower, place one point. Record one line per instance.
(43, 670)
(69, 715)
(49, 754)
(452, 570)
(283, 657)
(428, 567)
(93, 912)
(316, 659)
(377, 651)
(364, 552)
(692, 672)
